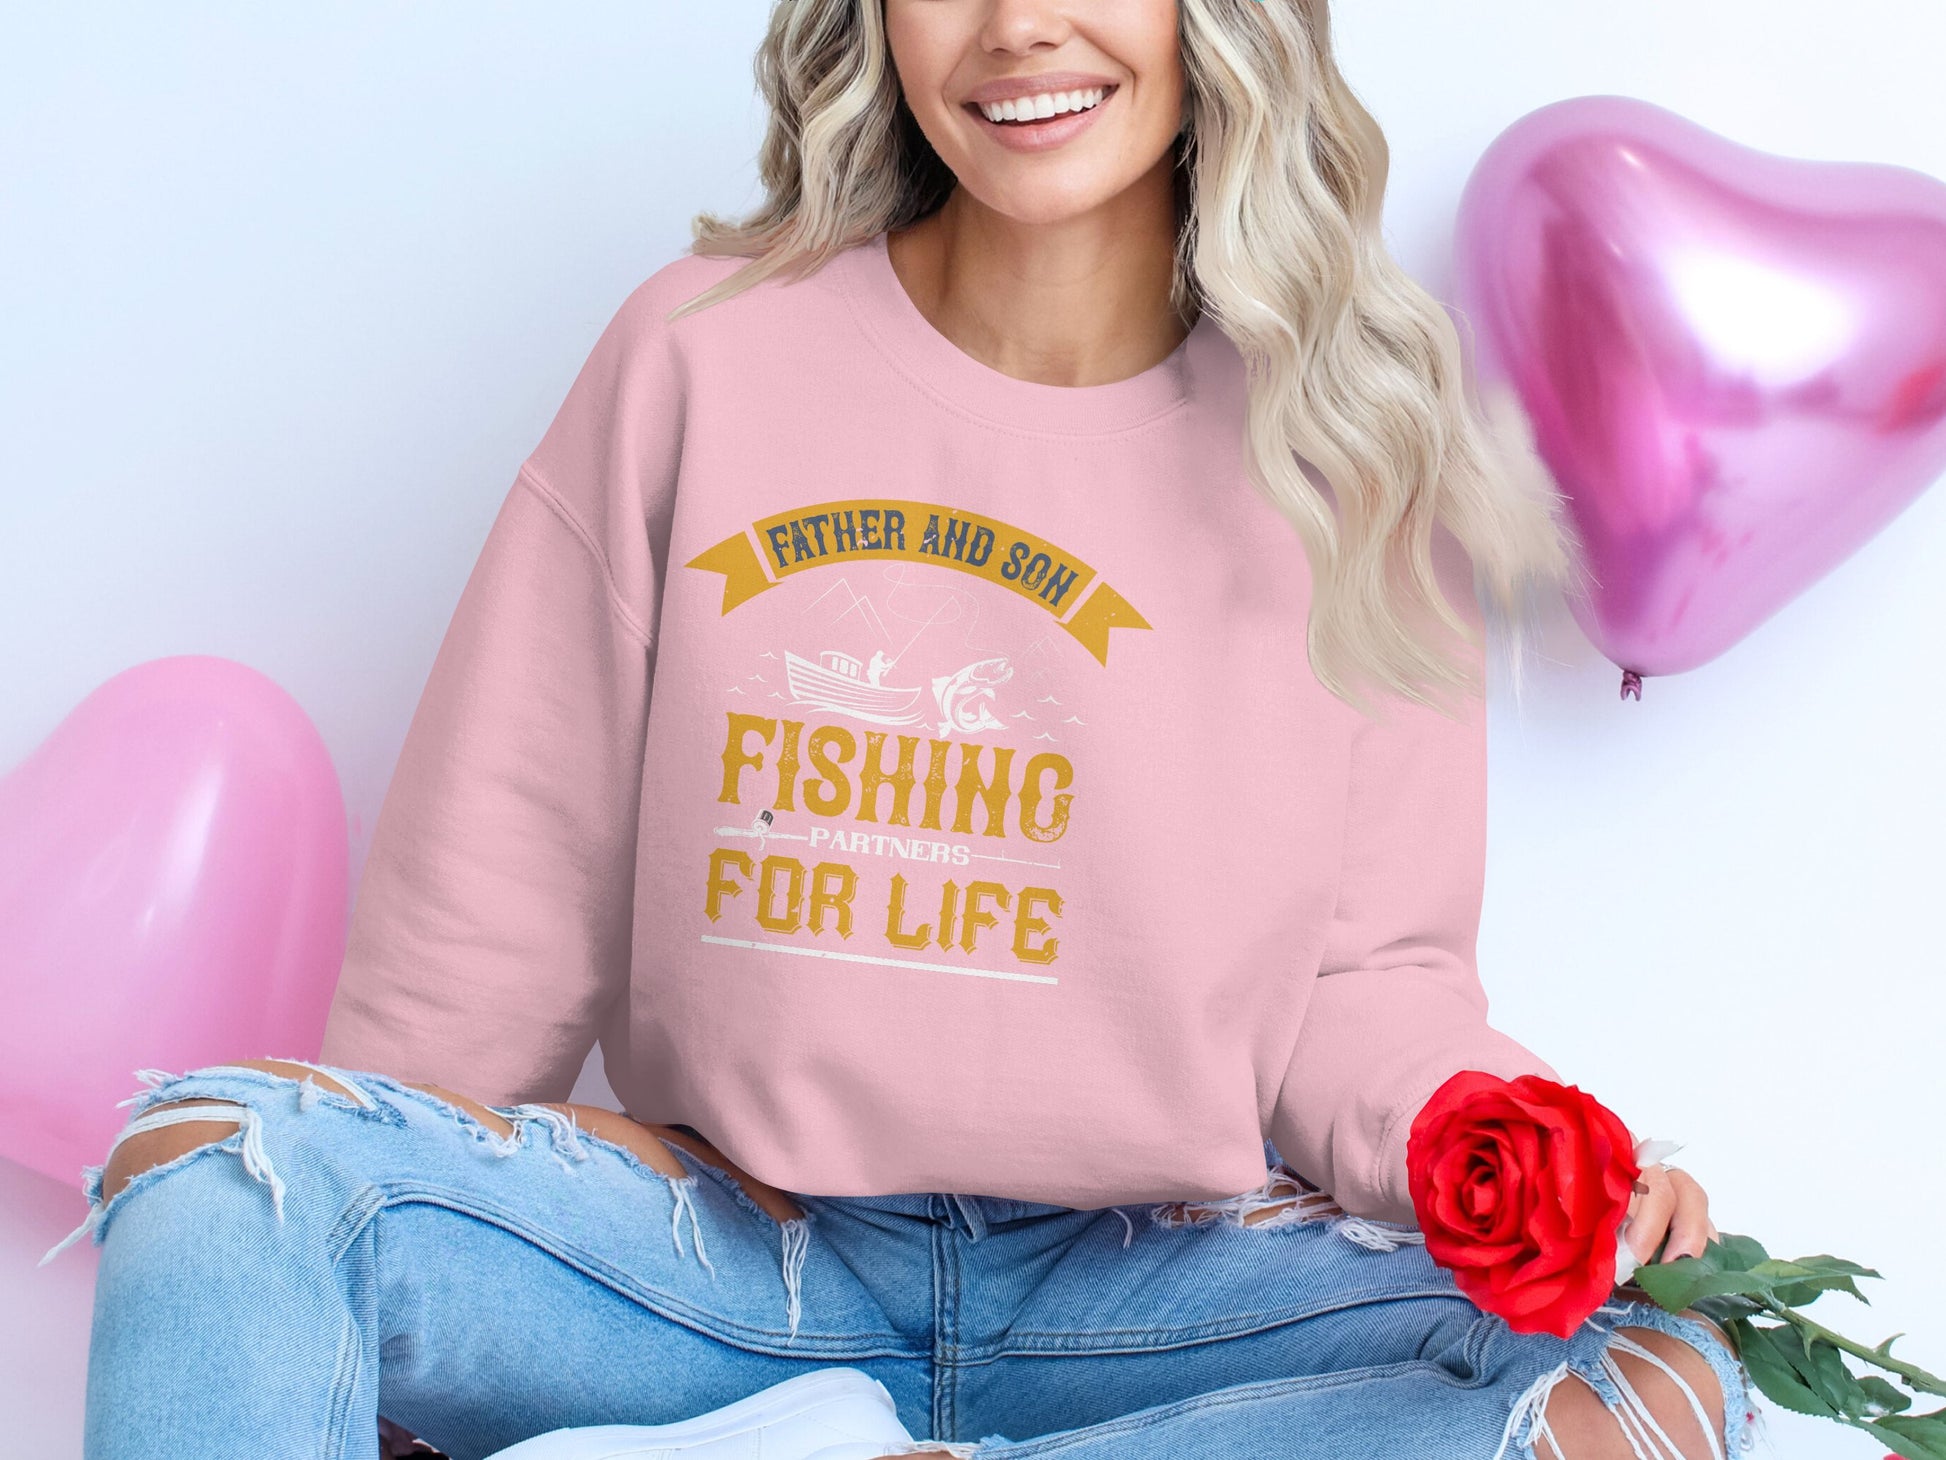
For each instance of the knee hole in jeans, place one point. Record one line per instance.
(655, 1146)
(150, 1148)
(1585, 1427)
(485, 1114)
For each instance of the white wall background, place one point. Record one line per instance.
(289, 292)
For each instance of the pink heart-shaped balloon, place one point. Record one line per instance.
(173, 873)
(1734, 363)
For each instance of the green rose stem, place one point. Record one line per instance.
(1915, 1376)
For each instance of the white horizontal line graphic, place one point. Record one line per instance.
(872, 958)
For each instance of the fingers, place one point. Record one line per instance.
(1690, 1227)
(1650, 1211)
(1668, 1200)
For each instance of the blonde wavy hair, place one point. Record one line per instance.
(1352, 367)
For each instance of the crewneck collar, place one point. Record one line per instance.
(937, 365)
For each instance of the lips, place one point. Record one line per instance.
(1012, 88)
(1044, 135)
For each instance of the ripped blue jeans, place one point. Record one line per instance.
(380, 1252)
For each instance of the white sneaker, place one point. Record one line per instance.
(842, 1411)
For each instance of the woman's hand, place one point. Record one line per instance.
(1668, 1200)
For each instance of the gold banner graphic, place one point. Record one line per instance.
(921, 532)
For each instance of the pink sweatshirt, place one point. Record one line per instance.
(913, 777)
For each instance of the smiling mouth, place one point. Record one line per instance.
(1053, 107)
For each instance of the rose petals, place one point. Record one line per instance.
(1519, 1187)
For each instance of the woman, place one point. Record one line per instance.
(881, 718)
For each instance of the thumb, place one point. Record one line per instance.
(1625, 1259)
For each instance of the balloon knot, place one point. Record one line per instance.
(1631, 684)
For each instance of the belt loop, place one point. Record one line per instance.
(976, 1226)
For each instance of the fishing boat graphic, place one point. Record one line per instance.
(843, 684)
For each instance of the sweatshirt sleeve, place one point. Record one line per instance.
(492, 928)
(1398, 1005)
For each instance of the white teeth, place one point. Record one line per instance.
(1047, 104)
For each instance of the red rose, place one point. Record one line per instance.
(1520, 1187)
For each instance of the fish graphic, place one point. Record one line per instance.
(963, 697)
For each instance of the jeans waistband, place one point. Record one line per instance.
(962, 1213)
(956, 1210)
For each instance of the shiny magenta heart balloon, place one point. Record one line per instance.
(173, 878)
(1734, 363)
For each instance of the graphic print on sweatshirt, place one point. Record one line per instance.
(899, 771)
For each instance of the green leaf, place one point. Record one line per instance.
(1916, 1436)
(1735, 1264)
(1884, 1397)
(1772, 1371)
(1798, 1282)
(1734, 1252)
(1822, 1262)
(1726, 1307)
(1819, 1365)
(1796, 1295)
(1673, 1285)
(1677, 1285)
(1823, 1368)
